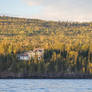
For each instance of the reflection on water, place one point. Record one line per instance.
(45, 85)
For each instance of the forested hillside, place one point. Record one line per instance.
(68, 46)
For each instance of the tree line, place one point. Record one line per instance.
(68, 45)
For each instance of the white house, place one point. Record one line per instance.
(23, 56)
(38, 52)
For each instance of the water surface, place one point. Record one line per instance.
(45, 85)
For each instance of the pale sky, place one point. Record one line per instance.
(58, 10)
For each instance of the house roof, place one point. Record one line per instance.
(37, 49)
(23, 54)
(31, 52)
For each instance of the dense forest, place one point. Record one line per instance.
(68, 46)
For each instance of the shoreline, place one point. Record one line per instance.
(45, 76)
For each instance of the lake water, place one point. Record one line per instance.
(45, 85)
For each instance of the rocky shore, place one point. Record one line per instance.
(11, 75)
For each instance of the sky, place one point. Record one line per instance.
(57, 10)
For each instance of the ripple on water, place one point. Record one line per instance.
(45, 85)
